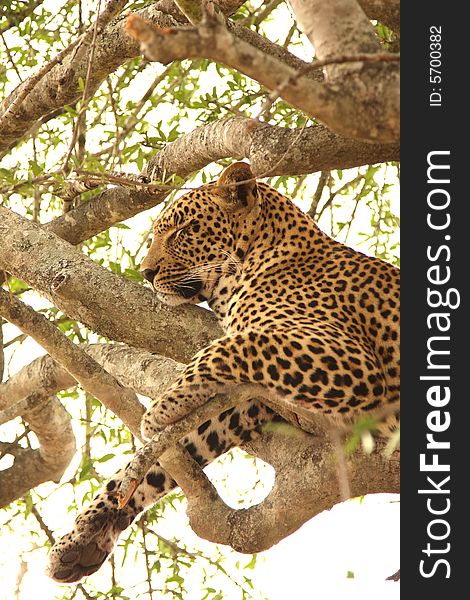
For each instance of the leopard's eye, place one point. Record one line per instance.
(187, 228)
(178, 233)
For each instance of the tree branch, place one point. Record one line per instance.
(12, 109)
(216, 42)
(113, 306)
(147, 373)
(51, 424)
(318, 148)
(385, 11)
(306, 478)
(305, 465)
(29, 393)
(2, 350)
(59, 86)
(338, 110)
(335, 27)
(91, 376)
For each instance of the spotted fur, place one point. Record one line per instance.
(313, 324)
(310, 321)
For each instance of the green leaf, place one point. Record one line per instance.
(105, 458)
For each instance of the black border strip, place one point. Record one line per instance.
(435, 272)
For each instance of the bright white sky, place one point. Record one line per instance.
(361, 537)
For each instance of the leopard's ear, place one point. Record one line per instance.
(236, 187)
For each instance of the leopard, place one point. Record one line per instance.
(310, 324)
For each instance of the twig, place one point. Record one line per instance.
(312, 211)
(143, 526)
(357, 199)
(10, 57)
(195, 556)
(36, 190)
(83, 105)
(43, 526)
(81, 587)
(114, 109)
(289, 35)
(394, 577)
(256, 20)
(338, 192)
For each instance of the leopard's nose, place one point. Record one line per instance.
(149, 274)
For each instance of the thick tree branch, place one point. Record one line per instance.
(270, 149)
(42, 375)
(316, 149)
(29, 394)
(305, 464)
(228, 7)
(111, 206)
(335, 27)
(2, 350)
(216, 42)
(306, 478)
(91, 376)
(147, 373)
(385, 11)
(306, 468)
(51, 424)
(112, 306)
(340, 110)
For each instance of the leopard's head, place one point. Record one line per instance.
(202, 236)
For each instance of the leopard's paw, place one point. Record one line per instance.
(82, 551)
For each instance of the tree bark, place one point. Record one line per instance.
(385, 11)
(358, 99)
(30, 394)
(306, 484)
(358, 108)
(51, 423)
(110, 305)
(270, 149)
(305, 464)
(91, 376)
